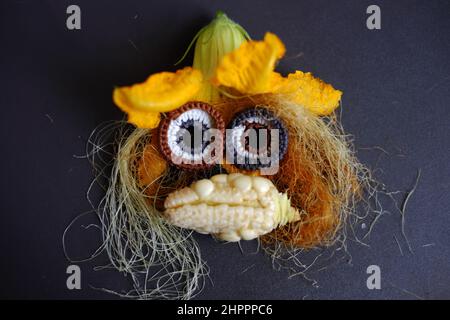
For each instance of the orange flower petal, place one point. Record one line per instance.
(249, 68)
(144, 119)
(161, 92)
(303, 88)
(151, 167)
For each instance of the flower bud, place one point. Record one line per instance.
(214, 41)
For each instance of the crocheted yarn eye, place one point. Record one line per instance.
(191, 137)
(257, 139)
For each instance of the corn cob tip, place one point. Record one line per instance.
(286, 213)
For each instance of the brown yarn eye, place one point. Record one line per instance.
(186, 138)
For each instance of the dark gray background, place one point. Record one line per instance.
(56, 88)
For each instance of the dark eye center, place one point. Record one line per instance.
(262, 139)
(192, 136)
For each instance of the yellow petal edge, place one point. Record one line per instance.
(161, 92)
(310, 92)
(249, 68)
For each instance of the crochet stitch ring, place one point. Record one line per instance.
(186, 137)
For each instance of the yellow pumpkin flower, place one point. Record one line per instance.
(312, 93)
(161, 92)
(249, 68)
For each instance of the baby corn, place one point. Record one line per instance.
(231, 207)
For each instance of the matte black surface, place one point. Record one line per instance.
(56, 88)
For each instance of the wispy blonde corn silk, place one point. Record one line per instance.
(320, 173)
(163, 261)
